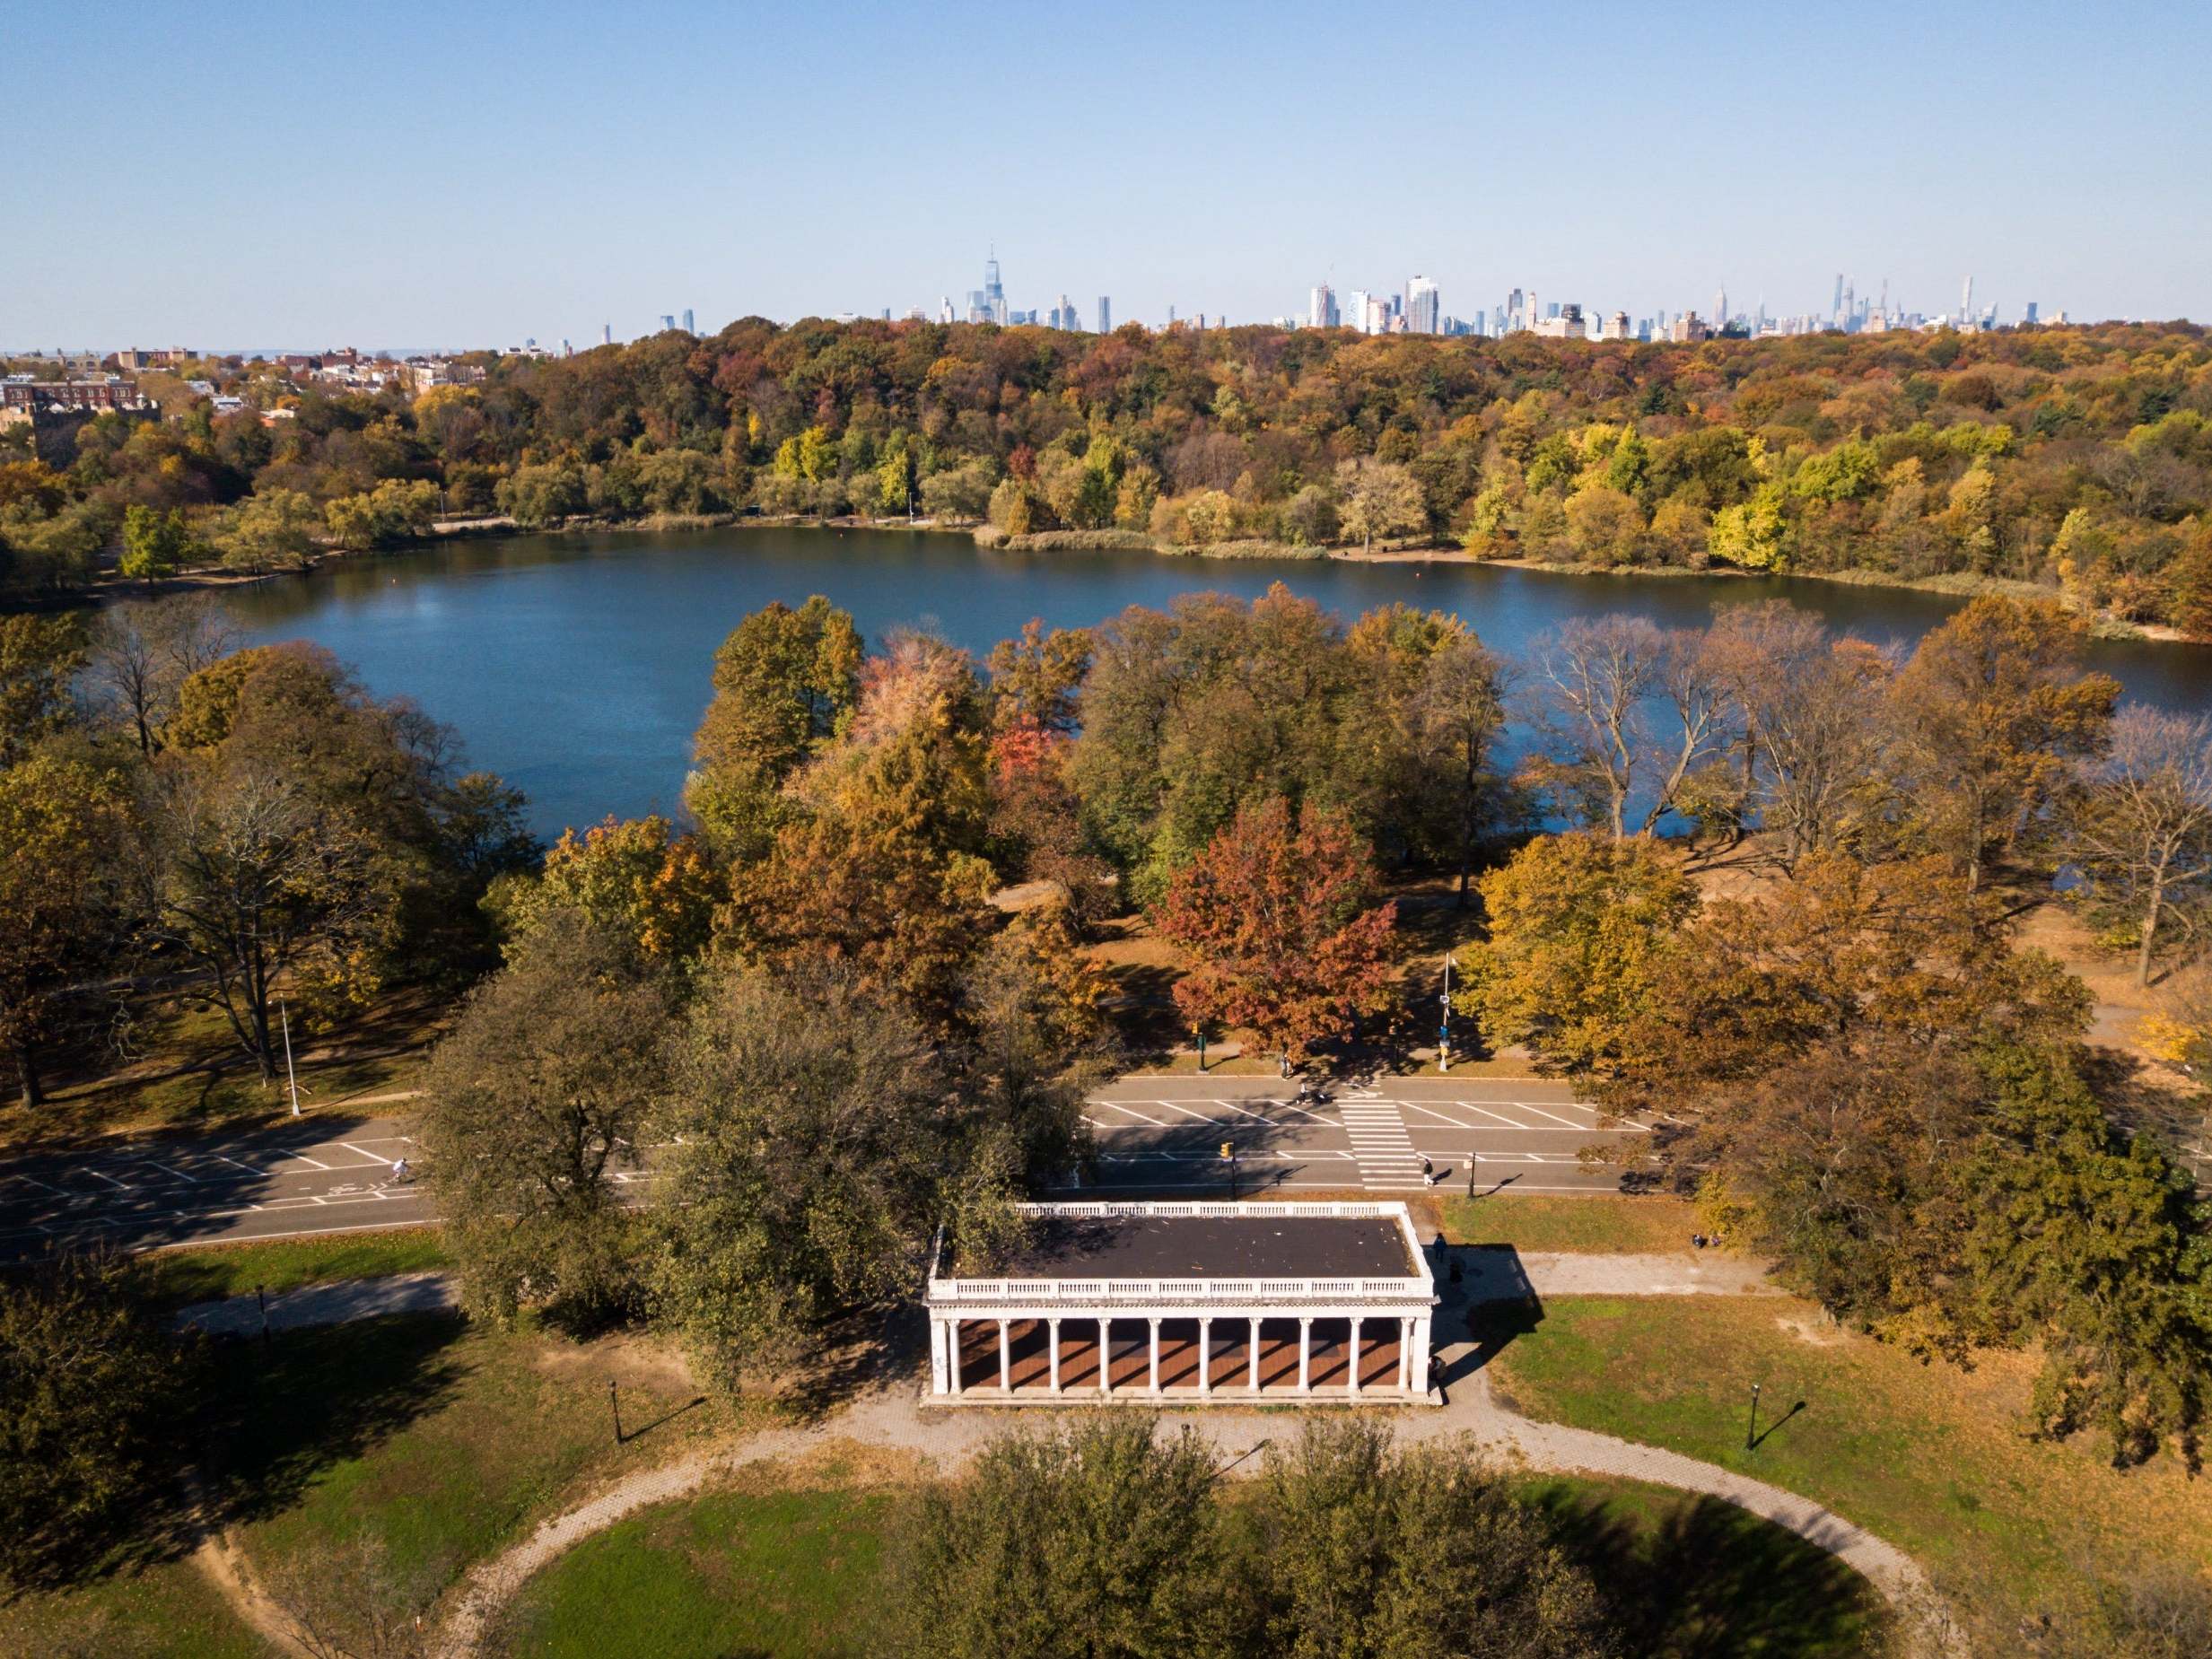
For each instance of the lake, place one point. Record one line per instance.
(577, 666)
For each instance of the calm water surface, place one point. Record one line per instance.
(577, 666)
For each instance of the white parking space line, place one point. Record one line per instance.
(301, 1158)
(111, 1180)
(1185, 1111)
(365, 1152)
(1415, 1106)
(34, 1180)
(1530, 1105)
(173, 1170)
(1132, 1112)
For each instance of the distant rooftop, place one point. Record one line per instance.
(1214, 1246)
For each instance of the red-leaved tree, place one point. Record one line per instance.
(1279, 913)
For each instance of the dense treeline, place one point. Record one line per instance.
(2076, 458)
(185, 821)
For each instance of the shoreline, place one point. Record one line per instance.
(1955, 586)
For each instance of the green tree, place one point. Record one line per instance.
(271, 529)
(810, 1125)
(535, 1103)
(1279, 917)
(1371, 1552)
(785, 683)
(154, 542)
(1101, 1542)
(93, 1386)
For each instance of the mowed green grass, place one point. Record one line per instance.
(204, 1273)
(745, 1571)
(443, 1440)
(1603, 1224)
(1929, 1457)
(809, 1571)
(170, 1611)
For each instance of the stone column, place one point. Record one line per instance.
(1006, 1359)
(1405, 1355)
(1355, 1356)
(1205, 1357)
(1154, 1322)
(1253, 1369)
(1304, 1355)
(937, 1356)
(1422, 1337)
(1052, 1343)
(952, 1354)
(1106, 1355)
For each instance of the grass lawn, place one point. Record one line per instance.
(187, 1071)
(753, 1570)
(166, 1611)
(766, 1570)
(1928, 1457)
(442, 1440)
(1603, 1224)
(204, 1273)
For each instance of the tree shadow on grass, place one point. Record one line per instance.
(1712, 1580)
(284, 1410)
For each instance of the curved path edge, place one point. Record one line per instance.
(894, 1420)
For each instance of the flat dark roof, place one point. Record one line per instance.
(1141, 1247)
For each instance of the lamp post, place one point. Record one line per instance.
(292, 1078)
(1443, 1048)
(1200, 1033)
(1229, 1156)
(1750, 1429)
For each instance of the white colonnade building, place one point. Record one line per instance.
(1189, 1302)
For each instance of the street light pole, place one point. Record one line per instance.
(1750, 1429)
(1444, 1051)
(292, 1078)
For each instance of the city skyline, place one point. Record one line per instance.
(1636, 173)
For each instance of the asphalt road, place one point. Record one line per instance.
(331, 1173)
(1165, 1134)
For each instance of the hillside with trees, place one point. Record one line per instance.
(2078, 459)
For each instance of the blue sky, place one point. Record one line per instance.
(403, 174)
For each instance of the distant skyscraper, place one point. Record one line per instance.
(944, 309)
(2031, 314)
(1105, 314)
(1321, 312)
(1966, 299)
(1421, 306)
(1720, 306)
(1835, 307)
(667, 322)
(607, 334)
(687, 327)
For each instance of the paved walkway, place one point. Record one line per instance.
(1507, 1276)
(338, 1303)
(894, 1418)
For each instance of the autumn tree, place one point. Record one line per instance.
(40, 658)
(785, 681)
(536, 1102)
(154, 542)
(1278, 913)
(140, 653)
(636, 877)
(1581, 928)
(1378, 498)
(1036, 679)
(2142, 833)
(66, 821)
(1997, 712)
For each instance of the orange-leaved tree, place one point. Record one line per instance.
(1279, 913)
